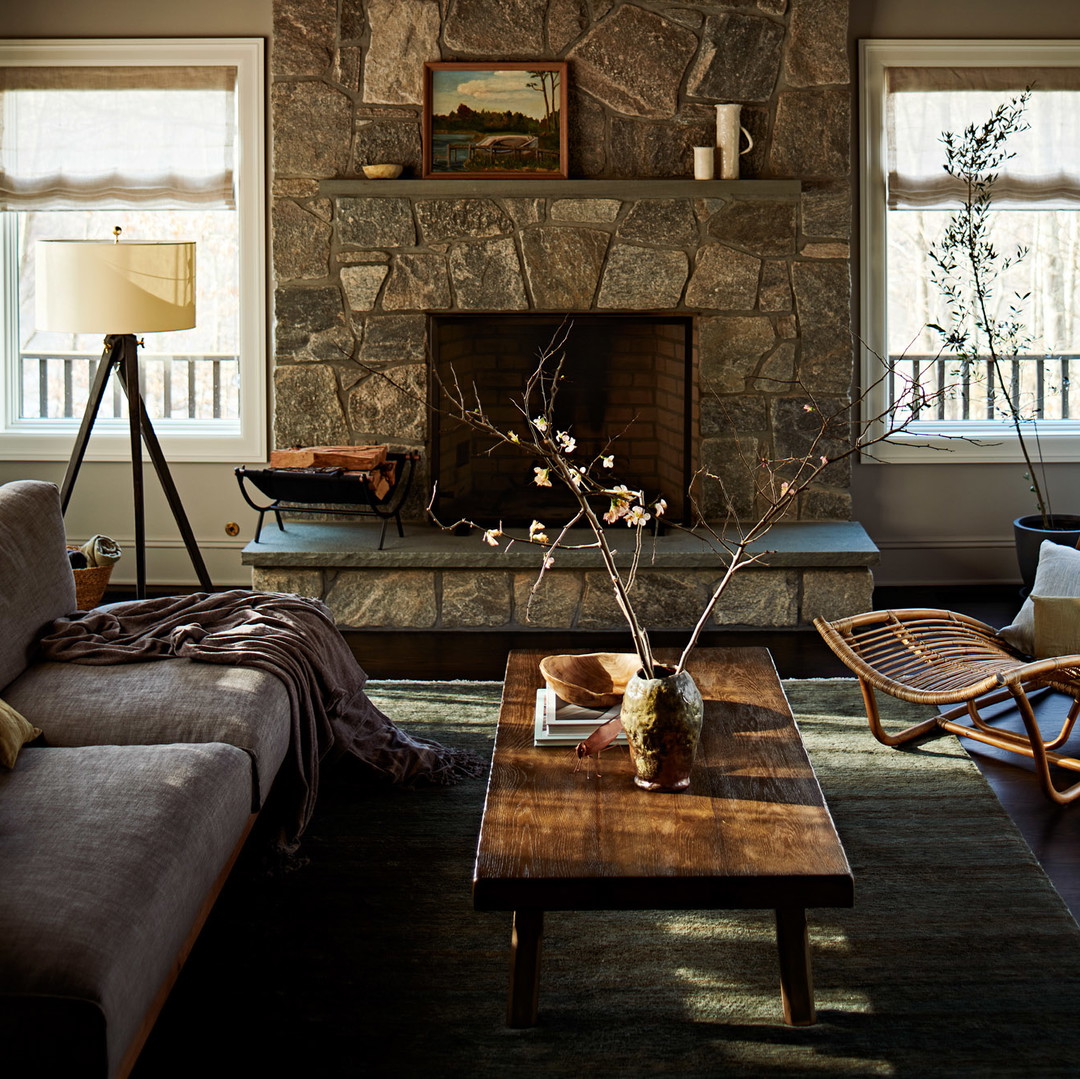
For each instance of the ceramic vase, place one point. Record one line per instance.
(728, 130)
(662, 719)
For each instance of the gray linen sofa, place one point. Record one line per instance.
(119, 825)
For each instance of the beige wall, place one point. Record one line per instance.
(944, 523)
(101, 501)
(137, 18)
(964, 18)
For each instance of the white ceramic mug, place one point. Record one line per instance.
(728, 130)
(704, 162)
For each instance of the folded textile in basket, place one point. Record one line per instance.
(101, 551)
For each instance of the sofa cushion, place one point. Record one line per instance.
(15, 731)
(36, 582)
(168, 700)
(108, 855)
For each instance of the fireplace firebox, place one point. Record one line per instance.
(628, 390)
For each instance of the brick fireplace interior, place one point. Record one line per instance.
(626, 388)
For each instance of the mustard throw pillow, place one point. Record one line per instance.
(15, 731)
(1057, 625)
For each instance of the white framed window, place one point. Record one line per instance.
(165, 139)
(911, 92)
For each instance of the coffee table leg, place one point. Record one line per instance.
(796, 977)
(525, 942)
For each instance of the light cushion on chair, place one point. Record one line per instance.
(1058, 574)
(1057, 626)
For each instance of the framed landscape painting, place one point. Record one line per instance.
(495, 121)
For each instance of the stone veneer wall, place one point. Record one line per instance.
(643, 79)
(768, 277)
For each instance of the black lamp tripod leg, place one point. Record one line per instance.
(129, 376)
(109, 358)
(161, 466)
(130, 382)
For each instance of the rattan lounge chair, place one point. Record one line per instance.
(942, 658)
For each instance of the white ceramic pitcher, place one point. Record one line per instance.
(728, 130)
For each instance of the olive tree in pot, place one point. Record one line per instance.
(967, 269)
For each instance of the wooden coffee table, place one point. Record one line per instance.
(752, 832)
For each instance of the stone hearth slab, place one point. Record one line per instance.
(353, 544)
(429, 579)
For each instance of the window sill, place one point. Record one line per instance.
(978, 445)
(111, 443)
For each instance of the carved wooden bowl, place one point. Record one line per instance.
(382, 172)
(596, 680)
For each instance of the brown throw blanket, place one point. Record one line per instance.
(291, 637)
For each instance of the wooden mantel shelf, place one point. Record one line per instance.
(571, 189)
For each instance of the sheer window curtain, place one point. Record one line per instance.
(133, 137)
(1038, 177)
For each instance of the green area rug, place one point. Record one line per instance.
(958, 959)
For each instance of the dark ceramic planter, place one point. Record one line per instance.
(1030, 533)
(662, 720)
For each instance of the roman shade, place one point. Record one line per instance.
(125, 137)
(923, 102)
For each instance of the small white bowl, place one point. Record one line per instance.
(382, 172)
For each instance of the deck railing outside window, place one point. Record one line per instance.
(56, 386)
(1043, 386)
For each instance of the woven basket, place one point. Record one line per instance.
(90, 584)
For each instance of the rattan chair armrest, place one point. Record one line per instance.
(1043, 670)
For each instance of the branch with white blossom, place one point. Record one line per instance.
(601, 504)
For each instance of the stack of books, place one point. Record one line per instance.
(559, 723)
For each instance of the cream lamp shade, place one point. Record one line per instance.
(99, 286)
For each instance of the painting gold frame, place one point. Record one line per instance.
(509, 120)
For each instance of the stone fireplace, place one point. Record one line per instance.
(369, 274)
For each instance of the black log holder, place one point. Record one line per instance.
(328, 490)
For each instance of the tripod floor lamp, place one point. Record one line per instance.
(120, 289)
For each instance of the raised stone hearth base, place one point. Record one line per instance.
(430, 580)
